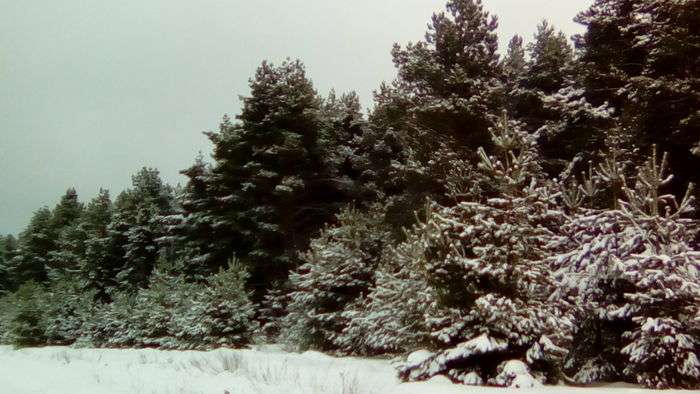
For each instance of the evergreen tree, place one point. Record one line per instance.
(191, 228)
(393, 318)
(137, 225)
(25, 323)
(337, 270)
(69, 239)
(68, 311)
(102, 255)
(268, 182)
(220, 314)
(450, 82)
(642, 58)
(514, 64)
(632, 273)
(482, 260)
(8, 248)
(34, 245)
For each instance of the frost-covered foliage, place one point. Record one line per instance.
(220, 312)
(68, 311)
(633, 276)
(450, 81)
(478, 272)
(23, 323)
(393, 317)
(338, 269)
(174, 314)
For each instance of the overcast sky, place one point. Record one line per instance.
(91, 91)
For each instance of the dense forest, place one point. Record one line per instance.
(532, 204)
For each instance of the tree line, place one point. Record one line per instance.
(489, 208)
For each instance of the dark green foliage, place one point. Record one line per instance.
(450, 82)
(270, 188)
(505, 269)
(34, 245)
(643, 58)
(24, 322)
(102, 253)
(8, 250)
(338, 270)
(137, 224)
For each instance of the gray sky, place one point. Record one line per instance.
(91, 91)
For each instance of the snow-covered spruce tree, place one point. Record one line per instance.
(634, 277)
(485, 263)
(338, 269)
(218, 313)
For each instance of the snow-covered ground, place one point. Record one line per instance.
(265, 370)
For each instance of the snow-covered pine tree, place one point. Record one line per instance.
(393, 317)
(338, 269)
(151, 318)
(65, 255)
(633, 275)
(102, 251)
(191, 228)
(137, 225)
(484, 260)
(24, 319)
(220, 312)
(269, 176)
(111, 324)
(69, 308)
(8, 247)
(450, 82)
(34, 245)
(641, 57)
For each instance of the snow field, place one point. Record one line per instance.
(64, 370)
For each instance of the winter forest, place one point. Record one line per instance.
(527, 209)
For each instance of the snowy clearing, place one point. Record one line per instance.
(265, 370)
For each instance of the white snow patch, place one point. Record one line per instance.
(63, 370)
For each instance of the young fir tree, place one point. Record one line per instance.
(393, 317)
(482, 260)
(632, 273)
(338, 269)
